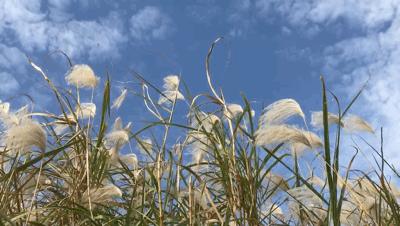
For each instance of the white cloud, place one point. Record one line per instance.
(12, 59)
(8, 84)
(150, 23)
(367, 14)
(34, 27)
(38, 29)
(58, 10)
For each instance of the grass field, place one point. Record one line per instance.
(223, 165)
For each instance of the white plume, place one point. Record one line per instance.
(81, 75)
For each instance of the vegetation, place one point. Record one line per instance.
(222, 166)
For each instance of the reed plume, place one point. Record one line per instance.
(277, 134)
(81, 76)
(22, 132)
(120, 99)
(354, 123)
(171, 90)
(280, 111)
(317, 122)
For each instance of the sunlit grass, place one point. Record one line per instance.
(222, 165)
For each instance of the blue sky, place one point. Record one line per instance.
(272, 49)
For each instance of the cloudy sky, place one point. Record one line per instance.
(272, 49)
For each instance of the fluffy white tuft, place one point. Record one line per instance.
(353, 123)
(23, 137)
(118, 136)
(277, 134)
(171, 90)
(318, 122)
(22, 132)
(233, 111)
(170, 96)
(4, 107)
(103, 195)
(279, 111)
(171, 82)
(314, 142)
(81, 75)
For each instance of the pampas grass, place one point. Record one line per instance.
(21, 132)
(233, 111)
(351, 123)
(317, 120)
(4, 107)
(171, 90)
(23, 137)
(354, 123)
(81, 76)
(276, 134)
(279, 111)
(103, 195)
(194, 162)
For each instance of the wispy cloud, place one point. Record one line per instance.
(150, 23)
(38, 27)
(12, 59)
(368, 14)
(8, 84)
(37, 30)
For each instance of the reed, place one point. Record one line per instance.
(221, 165)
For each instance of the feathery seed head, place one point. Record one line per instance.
(171, 91)
(22, 132)
(171, 82)
(279, 111)
(233, 110)
(277, 134)
(81, 75)
(120, 99)
(318, 122)
(22, 137)
(354, 123)
(170, 96)
(314, 143)
(118, 136)
(103, 195)
(4, 107)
